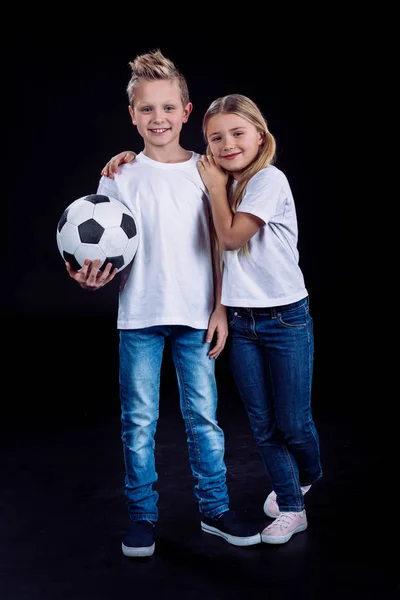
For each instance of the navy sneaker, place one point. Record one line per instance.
(232, 528)
(139, 540)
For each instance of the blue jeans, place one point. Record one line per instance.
(141, 352)
(272, 352)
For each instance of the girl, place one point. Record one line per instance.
(272, 344)
(263, 287)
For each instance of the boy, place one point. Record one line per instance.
(172, 290)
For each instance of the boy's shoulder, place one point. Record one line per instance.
(141, 160)
(144, 170)
(196, 155)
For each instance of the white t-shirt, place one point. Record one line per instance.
(270, 275)
(170, 281)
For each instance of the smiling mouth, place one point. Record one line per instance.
(159, 130)
(230, 156)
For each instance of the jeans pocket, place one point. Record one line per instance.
(296, 318)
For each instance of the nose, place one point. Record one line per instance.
(229, 144)
(158, 116)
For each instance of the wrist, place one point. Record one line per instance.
(219, 307)
(217, 189)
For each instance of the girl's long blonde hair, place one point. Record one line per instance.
(246, 109)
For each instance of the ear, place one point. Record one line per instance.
(131, 112)
(186, 112)
(261, 138)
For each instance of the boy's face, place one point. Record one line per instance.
(158, 112)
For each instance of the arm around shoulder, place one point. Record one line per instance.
(113, 164)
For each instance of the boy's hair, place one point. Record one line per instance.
(247, 109)
(154, 66)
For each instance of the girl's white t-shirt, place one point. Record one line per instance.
(270, 275)
(170, 281)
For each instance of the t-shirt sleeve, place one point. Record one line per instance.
(262, 198)
(108, 187)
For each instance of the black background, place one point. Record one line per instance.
(68, 115)
(65, 113)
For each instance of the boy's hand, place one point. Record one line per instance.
(90, 277)
(112, 166)
(218, 325)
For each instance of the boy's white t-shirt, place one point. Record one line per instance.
(170, 281)
(270, 275)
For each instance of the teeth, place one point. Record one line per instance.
(159, 130)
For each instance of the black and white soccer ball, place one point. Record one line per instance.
(97, 227)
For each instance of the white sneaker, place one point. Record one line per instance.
(271, 507)
(281, 530)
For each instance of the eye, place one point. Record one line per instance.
(215, 139)
(169, 108)
(145, 109)
(238, 133)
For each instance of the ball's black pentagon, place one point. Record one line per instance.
(116, 261)
(63, 220)
(72, 260)
(97, 198)
(90, 231)
(128, 225)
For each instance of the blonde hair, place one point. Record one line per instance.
(246, 109)
(154, 66)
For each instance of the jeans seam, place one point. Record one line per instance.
(299, 493)
(189, 418)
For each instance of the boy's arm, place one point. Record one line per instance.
(218, 324)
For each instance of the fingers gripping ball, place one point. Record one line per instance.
(97, 227)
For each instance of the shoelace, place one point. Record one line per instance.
(147, 521)
(283, 520)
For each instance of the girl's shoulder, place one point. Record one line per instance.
(270, 175)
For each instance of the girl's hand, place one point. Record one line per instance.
(112, 166)
(211, 173)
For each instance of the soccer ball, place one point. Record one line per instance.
(97, 227)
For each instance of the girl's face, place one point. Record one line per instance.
(234, 142)
(158, 112)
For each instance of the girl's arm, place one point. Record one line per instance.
(112, 166)
(233, 229)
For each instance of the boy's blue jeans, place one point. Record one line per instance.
(141, 352)
(272, 352)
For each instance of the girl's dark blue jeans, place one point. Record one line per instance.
(272, 354)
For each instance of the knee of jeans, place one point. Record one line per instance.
(137, 438)
(295, 432)
(261, 435)
(138, 430)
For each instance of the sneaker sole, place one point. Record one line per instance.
(232, 539)
(138, 552)
(281, 539)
